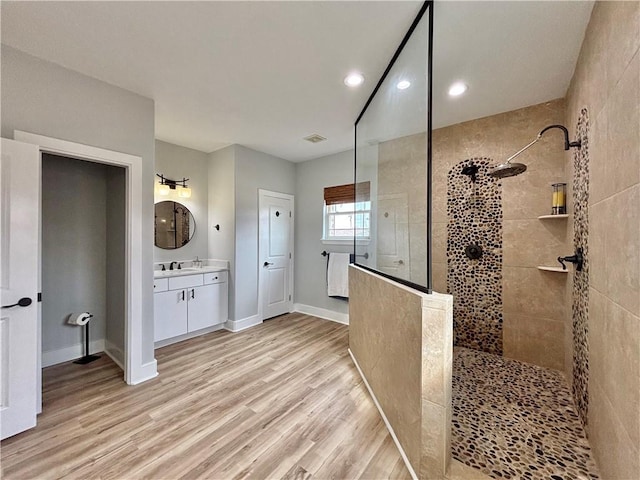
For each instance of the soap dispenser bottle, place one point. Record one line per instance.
(197, 263)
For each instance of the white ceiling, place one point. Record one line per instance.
(267, 74)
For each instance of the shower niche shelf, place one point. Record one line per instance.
(552, 269)
(548, 217)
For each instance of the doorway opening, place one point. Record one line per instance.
(83, 245)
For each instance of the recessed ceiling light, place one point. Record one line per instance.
(403, 84)
(354, 79)
(457, 89)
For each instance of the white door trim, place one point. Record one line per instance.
(135, 371)
(261, 253)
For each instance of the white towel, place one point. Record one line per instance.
(338, 275)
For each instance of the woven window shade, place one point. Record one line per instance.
(347, 193)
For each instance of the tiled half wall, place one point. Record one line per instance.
(402, 343)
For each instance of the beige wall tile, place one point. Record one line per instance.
(534, 242)
(622, 162)
(606, 81)
(439, 239)
(598, 157)
(618, 458)
(622, 249)
(616, 370)
(434, 369)
(534, 340)
(622, 38)
(592, 64)
(598, 218)
(533, 292)
(439, 276)
(387, 322)
(433, 441)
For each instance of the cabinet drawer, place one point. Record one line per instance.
(160, 284)
(215, 277)
(185, 282)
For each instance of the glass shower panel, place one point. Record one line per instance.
(391, 168)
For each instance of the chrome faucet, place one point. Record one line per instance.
(171, 265)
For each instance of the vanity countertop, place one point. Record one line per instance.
(186, 271)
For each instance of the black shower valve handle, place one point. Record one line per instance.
(577, 258)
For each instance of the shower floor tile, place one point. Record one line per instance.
(516, 420)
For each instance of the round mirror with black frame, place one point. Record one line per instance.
(174, 225)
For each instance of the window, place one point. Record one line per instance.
(347, 212)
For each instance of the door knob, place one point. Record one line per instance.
(266, 264)
(399, 262)
(23, 302)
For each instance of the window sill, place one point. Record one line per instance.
(344, 242)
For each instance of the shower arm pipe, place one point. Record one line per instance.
(567, 143)
(523, 149)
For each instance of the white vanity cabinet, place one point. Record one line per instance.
(170, 317)
(188, 303)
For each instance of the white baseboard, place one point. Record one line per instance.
(243, 324)
(187, 336)
(147, 371)
(53, 357)
(384, 418)
(322, 313)
(115, 353)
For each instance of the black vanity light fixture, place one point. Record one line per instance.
(508, 169)
(166, 185)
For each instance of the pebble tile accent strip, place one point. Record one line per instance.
(580, 304)
(474, 213)
(515, 420)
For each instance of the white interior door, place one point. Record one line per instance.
(276, 253)
(19, 204)
(393, 235)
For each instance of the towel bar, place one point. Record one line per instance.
(365, 254)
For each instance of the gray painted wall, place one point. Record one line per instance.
(312, 177)
(74, 249)
(44, 98)
(176, 162)
(222, 212)
(254, 170)
(116, 249)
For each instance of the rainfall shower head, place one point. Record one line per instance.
(508, 169)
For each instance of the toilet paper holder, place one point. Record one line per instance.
(83, 320)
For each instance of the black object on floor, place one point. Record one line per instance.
(87, 357)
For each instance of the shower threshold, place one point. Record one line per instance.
(515, 420)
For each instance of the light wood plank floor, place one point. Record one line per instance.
(280, 400)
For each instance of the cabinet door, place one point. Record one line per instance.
(205, 306)
(221, 292)
(170, 314)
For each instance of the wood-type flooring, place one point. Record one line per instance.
(281, 400)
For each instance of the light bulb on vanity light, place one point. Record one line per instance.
(163, 190)
(184, 192)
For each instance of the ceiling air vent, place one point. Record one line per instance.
(315, 138)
